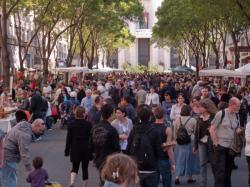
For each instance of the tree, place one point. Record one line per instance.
(6, 9)
(202, 24)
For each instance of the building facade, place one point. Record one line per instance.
(143, 51)
(32, 56)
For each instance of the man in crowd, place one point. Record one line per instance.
(141, 95)
(25, 104)
(126, 91)
(144, 144)
(166, 158)
(16, 148)
(87, 102)
(94, 115)
(104, 138)
(47, 90)
(222, 134)
(130, 110)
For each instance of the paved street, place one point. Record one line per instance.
(51, 148)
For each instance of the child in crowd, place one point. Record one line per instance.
(39, 175)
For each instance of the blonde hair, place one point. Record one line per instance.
(120, 168)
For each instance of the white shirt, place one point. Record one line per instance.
(48, 113)
(152, 99)
(175, 112)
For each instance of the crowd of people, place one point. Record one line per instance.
(135, 127)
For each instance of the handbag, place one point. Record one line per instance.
(54, 111)
(237, 144)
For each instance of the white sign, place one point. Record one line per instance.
(143, 33)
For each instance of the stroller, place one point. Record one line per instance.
(67, 112)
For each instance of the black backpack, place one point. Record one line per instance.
(142, 150)
(99, 135)
(182, 136)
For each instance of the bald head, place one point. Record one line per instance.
(234, 104)
(233, 101)
(38, 126)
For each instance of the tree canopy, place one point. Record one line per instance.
(202, 26)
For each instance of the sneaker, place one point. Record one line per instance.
(38, 139)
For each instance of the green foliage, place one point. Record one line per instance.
(200, 24)
(140, 69)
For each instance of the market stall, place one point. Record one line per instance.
(221, 73)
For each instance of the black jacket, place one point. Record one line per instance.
(36, 103)
(110, 146)
(154, 136)
(77, 140)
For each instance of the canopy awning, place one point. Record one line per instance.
(244, 69)
(221, 73)
(73, 69)
(105, 70)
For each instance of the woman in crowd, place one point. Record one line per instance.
(195, 107)
(176, 108)
(167, 106)
(186, 161)
(119, 171)
(123, 125)
(77, 142)
(152, 98)
(207, 110)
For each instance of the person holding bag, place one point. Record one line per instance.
(207, 109)
(224, 127)
(186, 161)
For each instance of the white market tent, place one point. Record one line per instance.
(221, 73)
(244, 69)
(73, 70)
(105, 70)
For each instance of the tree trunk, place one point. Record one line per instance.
(91, 59)
(236, 50)
(45, 70)
(4, 47)
(108, 58)
(216, 52)
(197, 64)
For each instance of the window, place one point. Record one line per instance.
(143, 24)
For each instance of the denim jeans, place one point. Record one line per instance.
(149, 180)
(164, 169)
(203, 154)
(9, 176)
(48, 122)
(224, 165)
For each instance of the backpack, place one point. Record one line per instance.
(99, 135)
(182, 136)
(142, 150)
